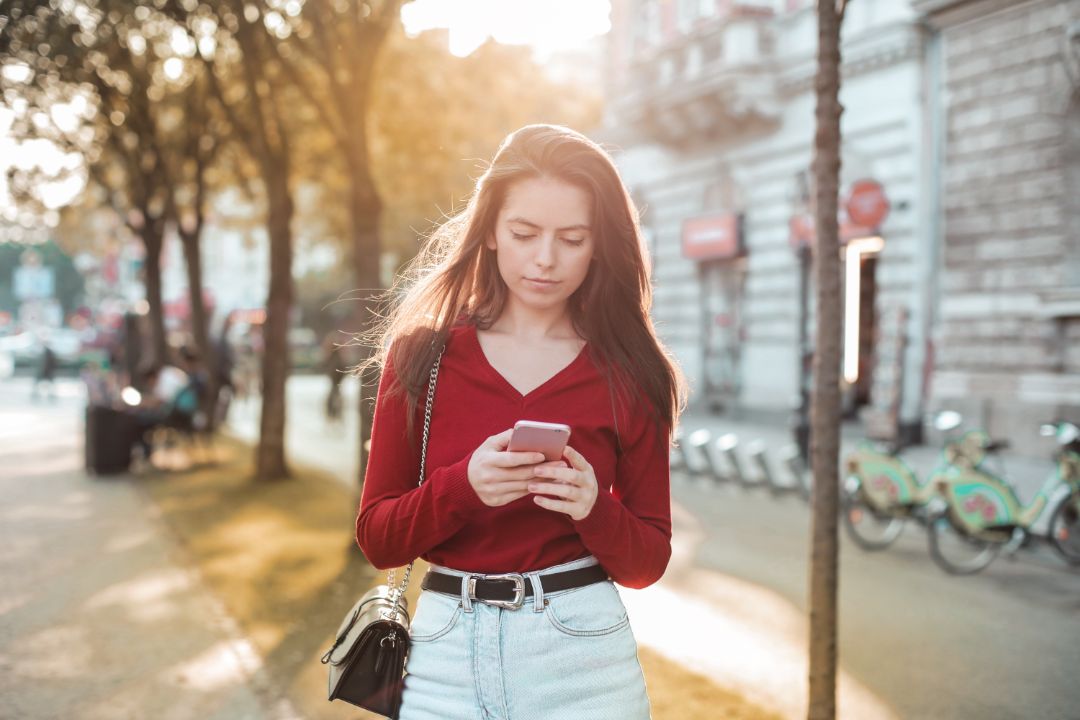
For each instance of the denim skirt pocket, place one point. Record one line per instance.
(589, 611)
(436, 615)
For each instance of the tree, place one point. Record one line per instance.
(426, 162)
(329, 57)
(247, 85)
(145, 135)
(101, 57)
(197, 140)
(825, 406)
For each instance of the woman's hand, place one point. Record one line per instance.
(500, 477)
(576, 486)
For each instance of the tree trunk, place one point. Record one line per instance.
(825, 420)
(366, 212)
(270, 461)
(152, 240)
(199, 323)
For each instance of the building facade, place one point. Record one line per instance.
(1007, 333)
(711, 111)
(960, 186)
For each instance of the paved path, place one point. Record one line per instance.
(100, 619)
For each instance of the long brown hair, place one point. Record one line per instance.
(453, 279)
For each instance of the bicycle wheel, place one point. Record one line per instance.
(868, 528)
(954, 551)
(1064, 528)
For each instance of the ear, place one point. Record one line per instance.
(490, 242)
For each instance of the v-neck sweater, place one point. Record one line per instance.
(445, 522)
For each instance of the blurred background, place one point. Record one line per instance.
(201, 202)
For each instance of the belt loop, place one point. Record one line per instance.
(538, 592)
(466, 600)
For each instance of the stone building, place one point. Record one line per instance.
(1007, 325)
(711, 112)
(961, 136)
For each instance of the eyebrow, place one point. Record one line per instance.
(523, 221)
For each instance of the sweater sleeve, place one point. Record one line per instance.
(397, 521)
(629, 528)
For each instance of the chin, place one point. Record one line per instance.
(543, 302)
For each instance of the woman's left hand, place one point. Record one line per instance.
(576, 485)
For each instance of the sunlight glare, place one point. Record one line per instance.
(174, 68)
(17, 72)
(546, 26)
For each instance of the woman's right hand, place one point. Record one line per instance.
(498, 476)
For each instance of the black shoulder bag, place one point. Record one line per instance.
(367, 661)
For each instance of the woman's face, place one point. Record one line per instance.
(543, 241)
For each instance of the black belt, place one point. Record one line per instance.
(510, 590)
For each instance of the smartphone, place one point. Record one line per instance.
(533, 436)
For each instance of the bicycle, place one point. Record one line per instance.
(881, 492)
(981, 515)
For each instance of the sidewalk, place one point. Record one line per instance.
(100, 617)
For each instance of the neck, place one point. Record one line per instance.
(534, 324)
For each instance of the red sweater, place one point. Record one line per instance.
(444, 521)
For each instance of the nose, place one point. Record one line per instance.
(545, 252)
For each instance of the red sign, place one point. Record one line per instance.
(866, 207)
(712, 237)
(866, 203)
(803, 231)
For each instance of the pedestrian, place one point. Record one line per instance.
(537, 295)
(224, 362)
(174, 397)
(46, 372)
(335, 366)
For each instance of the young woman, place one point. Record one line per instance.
(537, 296)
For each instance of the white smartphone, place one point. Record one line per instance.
(544, 437)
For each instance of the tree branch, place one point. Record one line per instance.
(327, 42)
(334, 125)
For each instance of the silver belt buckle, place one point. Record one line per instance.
(519, 590)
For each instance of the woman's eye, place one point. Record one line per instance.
(574, 241)
(519, 236)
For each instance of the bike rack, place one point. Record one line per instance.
(714, 471)
(727, 447)
(759, 457)
(695, 453)
(798, 473)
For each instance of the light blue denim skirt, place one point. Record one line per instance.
(568, 654)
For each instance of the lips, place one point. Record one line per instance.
(539, 285)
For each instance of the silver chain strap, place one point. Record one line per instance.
(397, 592)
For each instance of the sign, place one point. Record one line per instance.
(712, 237)
(803, 231)
(866, 204)
(866, 207)
(34, 282)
